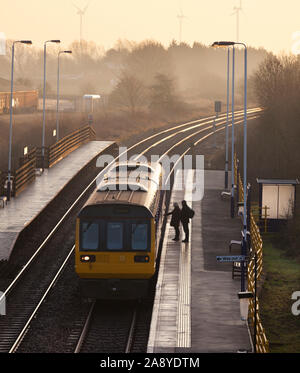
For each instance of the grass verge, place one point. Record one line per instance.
(282, 278)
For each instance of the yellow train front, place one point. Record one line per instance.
(117, 235)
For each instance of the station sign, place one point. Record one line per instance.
(231, 258)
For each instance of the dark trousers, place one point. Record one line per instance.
(177, 232)
(186, 230)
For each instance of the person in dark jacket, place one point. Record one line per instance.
(185, 219)
(175, 220)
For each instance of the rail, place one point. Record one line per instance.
(25, 174)
(255, 266)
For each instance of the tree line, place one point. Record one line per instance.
(132, 75)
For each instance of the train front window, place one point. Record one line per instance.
(90, 236)
(139, 236)
(115, 232)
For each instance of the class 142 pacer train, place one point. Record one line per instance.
(23, 101)
(118, 232)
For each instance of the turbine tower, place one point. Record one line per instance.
(237, 10)
(180, 17)
(81, 13)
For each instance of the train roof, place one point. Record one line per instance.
(134, 166)
(139, 190)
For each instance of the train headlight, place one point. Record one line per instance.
(142, 259)
(87, 258)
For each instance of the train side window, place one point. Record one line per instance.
(89, 236)
(115, 236)
(139, 236)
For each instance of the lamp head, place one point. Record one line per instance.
(223, 44)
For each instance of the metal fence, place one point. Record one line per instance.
(255, 266)
(65, 146)
(26, 173)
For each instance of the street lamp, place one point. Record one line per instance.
(229, 44)
(57, 104)
(44, 100)
(216, 44)
(245, 232)
(10, 113)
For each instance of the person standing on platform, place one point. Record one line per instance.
(175, 220)
(186, 214)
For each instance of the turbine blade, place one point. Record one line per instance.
(79, 10)
(86, 7)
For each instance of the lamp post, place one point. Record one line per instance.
(229, 44)
(57, 103)
(10, 114)
(44, 101)
(245, 232)
(227, 121)
(244, 244)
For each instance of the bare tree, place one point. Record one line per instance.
(129, 94)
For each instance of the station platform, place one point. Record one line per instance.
(196, 308)
(23, 209)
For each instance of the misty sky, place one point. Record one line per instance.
(267, 23)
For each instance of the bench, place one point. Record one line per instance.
(236, 266)
(3, 201)
(234, 242)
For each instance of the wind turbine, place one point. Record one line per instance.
(81, 13)
(180, 16)
(237, 10)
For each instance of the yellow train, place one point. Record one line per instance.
(118, 233)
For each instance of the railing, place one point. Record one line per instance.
(22, 177)
(255, 266)
(261, 216)
(26, 173)
(66, 145)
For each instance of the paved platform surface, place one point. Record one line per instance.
(196, 306)
(20, 211)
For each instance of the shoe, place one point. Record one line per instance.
(175, 239)
(185, 241)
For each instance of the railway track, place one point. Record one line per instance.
(25, 299)
(107, 330)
